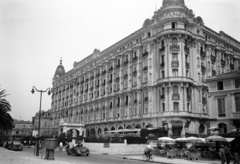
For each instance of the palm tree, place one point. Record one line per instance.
(6, 121)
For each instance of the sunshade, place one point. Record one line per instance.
(166, 139)
(215, 138)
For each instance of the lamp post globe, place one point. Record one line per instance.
(39, 114)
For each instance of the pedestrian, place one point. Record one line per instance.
(222, 155)
(236, 150)
(228, 153)
(61, 145)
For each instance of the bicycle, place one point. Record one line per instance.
(148, 157)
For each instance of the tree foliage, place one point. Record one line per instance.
(6, 121)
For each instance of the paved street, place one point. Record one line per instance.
(27, 157)
(91, 159)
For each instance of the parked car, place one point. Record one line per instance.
(15, 145)
(77, 150)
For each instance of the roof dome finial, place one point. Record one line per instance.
(166, 2)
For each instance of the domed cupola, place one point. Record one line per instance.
(170, 2)
(60, 70)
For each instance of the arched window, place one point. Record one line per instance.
(174, 41)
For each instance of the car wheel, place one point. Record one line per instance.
(87, 154)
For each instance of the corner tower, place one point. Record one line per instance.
(60, 70)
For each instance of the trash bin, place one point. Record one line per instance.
(50, 144)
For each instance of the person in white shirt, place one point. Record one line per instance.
(148, 150)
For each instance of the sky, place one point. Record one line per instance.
(36, 34)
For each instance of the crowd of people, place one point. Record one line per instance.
(227, 154)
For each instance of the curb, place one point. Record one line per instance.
(142, 160)
(129, 158)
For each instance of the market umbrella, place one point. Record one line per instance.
(166, 139)
(193, 139)
(215, 138)
(180, 139)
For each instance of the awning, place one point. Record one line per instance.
(230, 139)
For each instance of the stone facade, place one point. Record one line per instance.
(224, 97)
(152, 78)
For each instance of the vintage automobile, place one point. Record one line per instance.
(77, 150)
(15, 145)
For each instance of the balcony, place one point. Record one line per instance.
(162, 96)
(187, 65)
(82, 82)
(162, 64)
(202, 54)
(175, 64)
(174, 48)
(110, 81)
(117, 79)
(223, 63)
(97, 86)
(98, 74)
(91, 88)
(103, 84)
(86, 90)
(134, 73)
(118, 66)
(125, 63)
(162, 49)
(213, 73)
(86, 80)
(145, 54)
(135, 58)
(92, 77)
(175, 96)
(213, 58)
(231, 66)
(110, 69)
(203, 68)
(104, 72)
(125, 76)
(145, 68)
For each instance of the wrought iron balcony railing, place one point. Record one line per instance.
(175, 64)
(202, 54)
(174, 47)
(145, 54)
(203, 68)
(162, 49)
(223, 62)
(213, 58)
(175, 96)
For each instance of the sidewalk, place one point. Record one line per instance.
(164, 160)
(14, 157)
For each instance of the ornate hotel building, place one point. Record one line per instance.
(152, 78)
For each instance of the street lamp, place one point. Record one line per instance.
(41, 91)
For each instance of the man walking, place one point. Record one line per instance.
(222, 155)
(236, 150)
